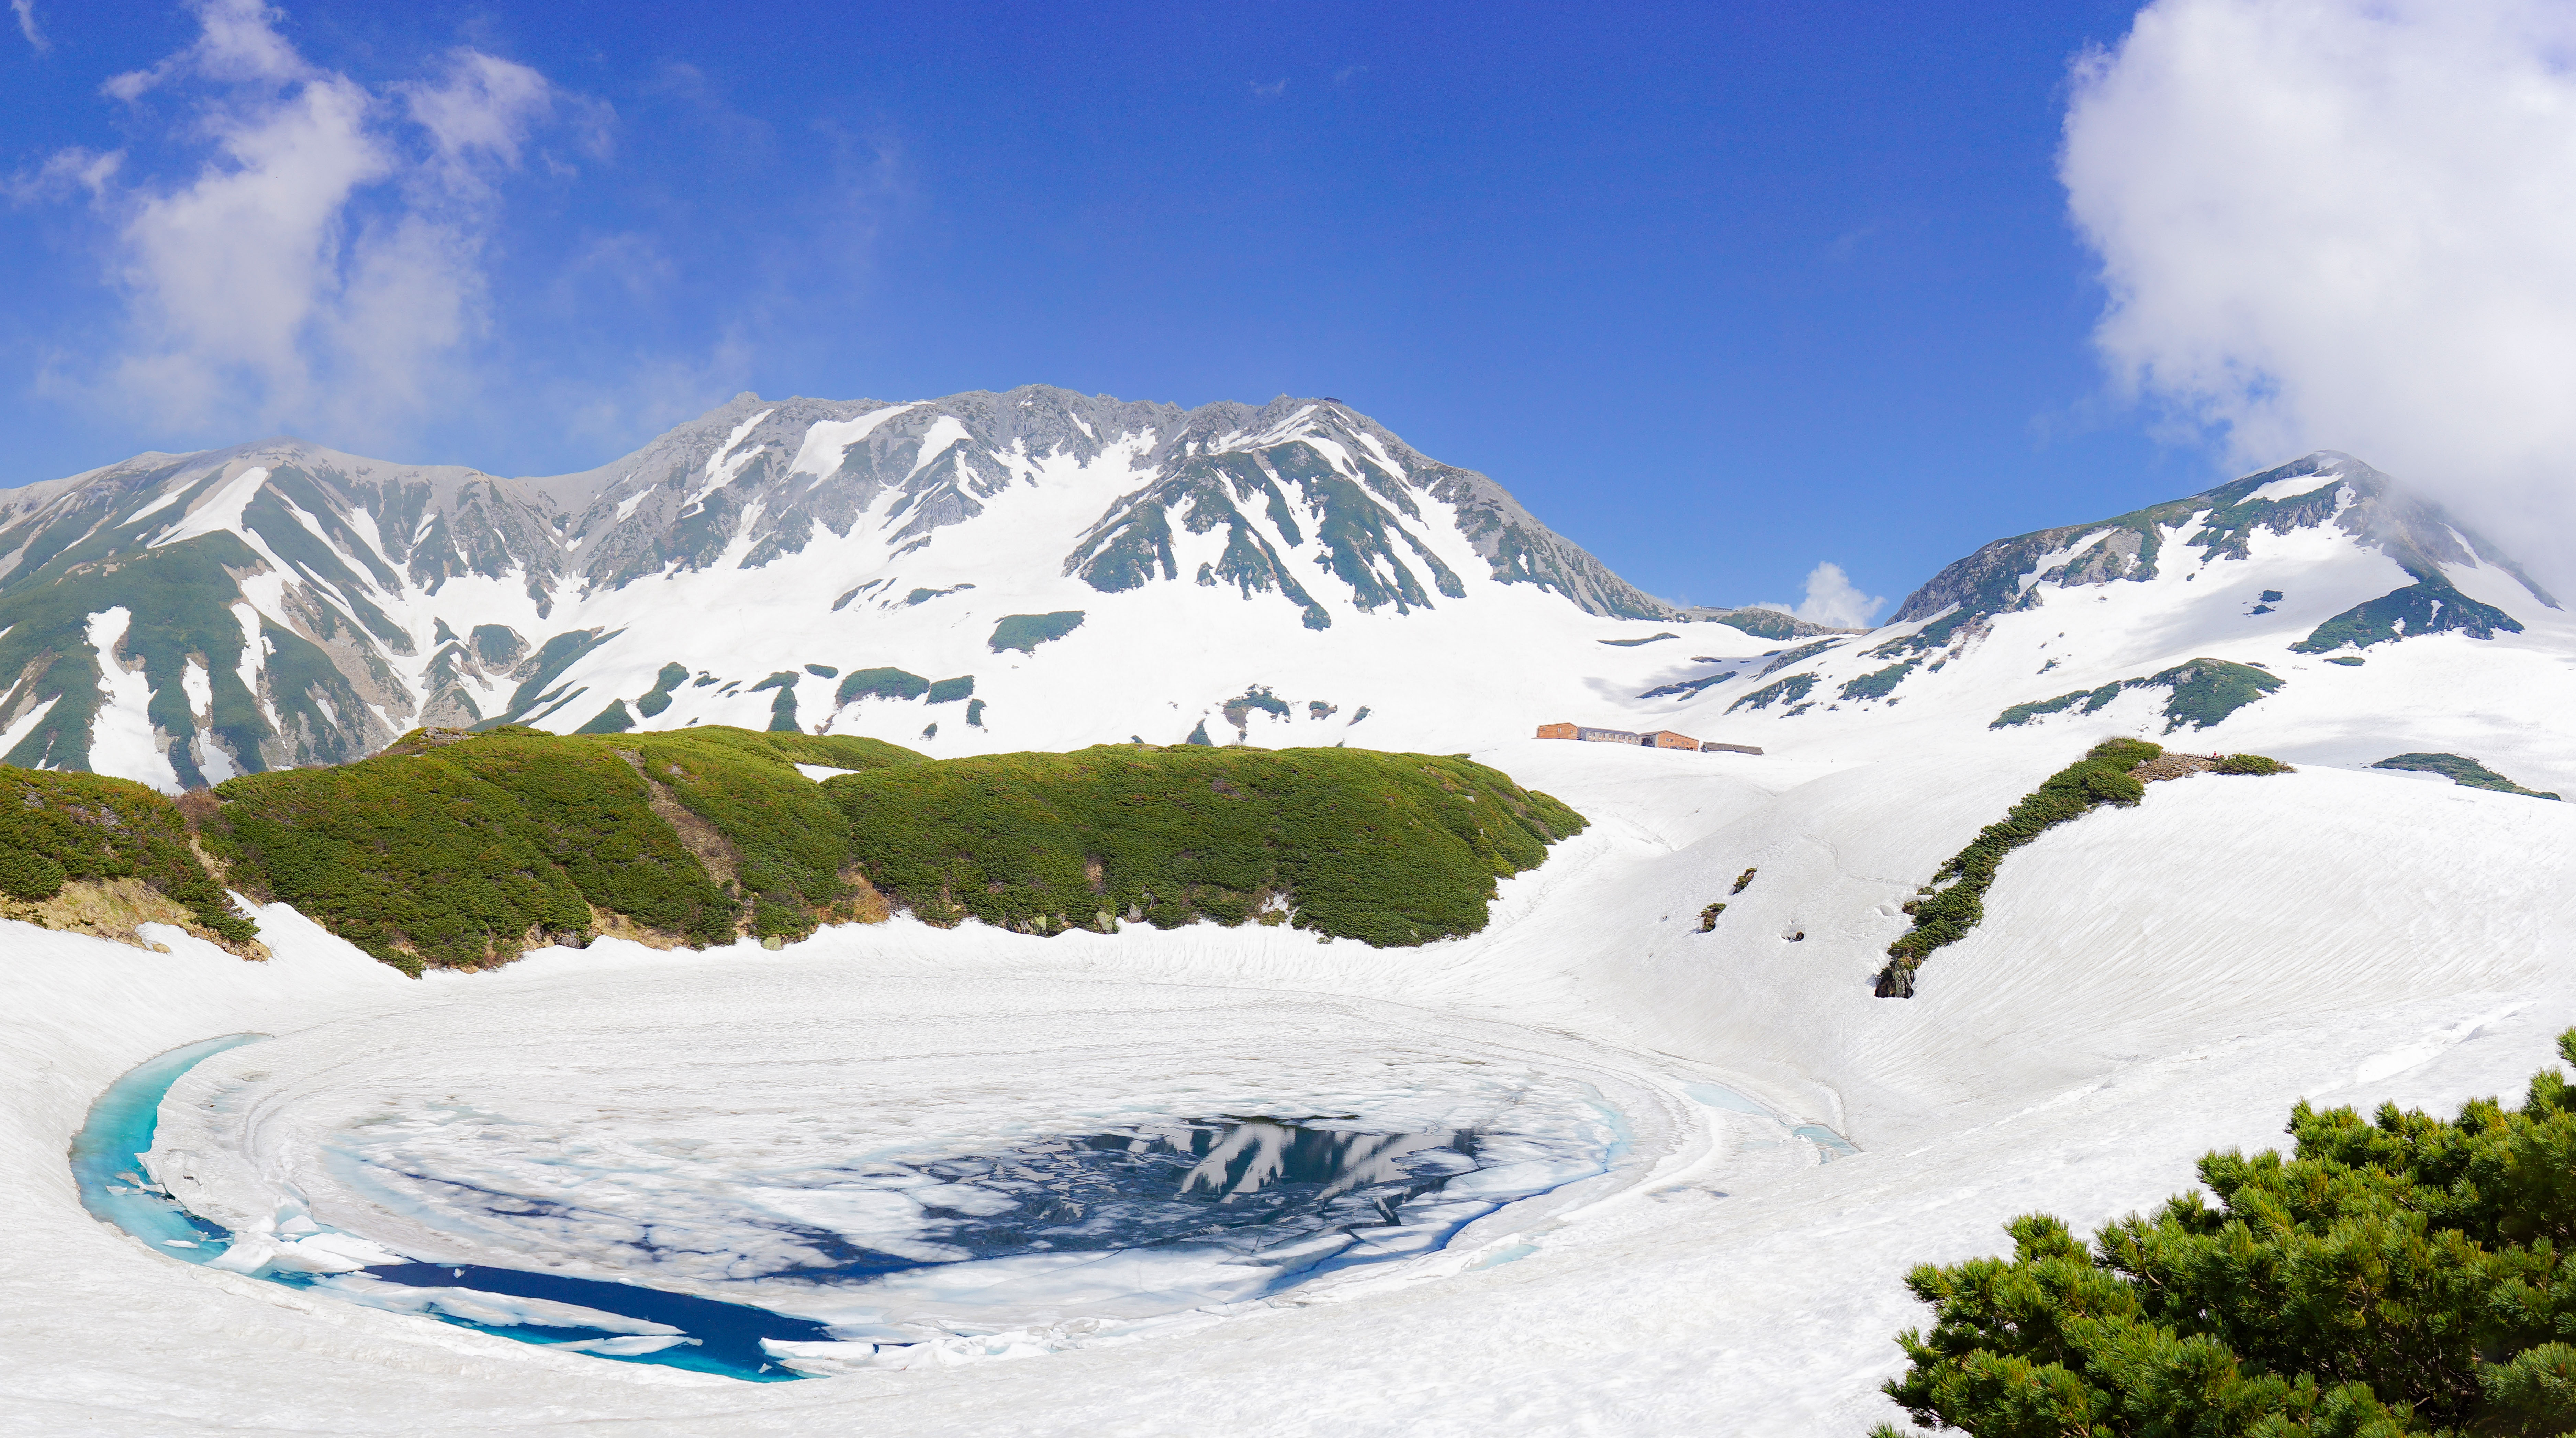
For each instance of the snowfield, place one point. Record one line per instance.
(2149, 983)
(1736, 1151)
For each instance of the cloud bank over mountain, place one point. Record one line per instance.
(2326, 223)
(1832, 600)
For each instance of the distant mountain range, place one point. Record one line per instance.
(1039, 569)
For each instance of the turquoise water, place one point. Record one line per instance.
(721, 1338)
(107, 1157)
(1247, 1185)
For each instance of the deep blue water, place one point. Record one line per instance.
(1247, 1185)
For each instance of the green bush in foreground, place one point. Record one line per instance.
(1392, 849)
(2402, 1276)
(1944, 917)
(2253, 764)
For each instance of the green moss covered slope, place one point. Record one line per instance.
(460, 849)
(90, 853)
(1392, 849)
(466, 852)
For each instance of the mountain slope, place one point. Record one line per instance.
(2315, 611)
(182, 618)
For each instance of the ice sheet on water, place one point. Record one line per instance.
(1126, 1222)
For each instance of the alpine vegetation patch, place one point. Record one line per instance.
(1391, 849)
(2200, 693)
(1945, 915)
(1025, 632)
(2460, 769)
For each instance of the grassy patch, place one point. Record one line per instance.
(949, 691)
(2206, 691)
(2461, 770)
(1945, 916)
(1762, 623)
(664, 685)
(464, 853)
(2431, 605)
(1025, 632)
(1633, 643)
(467, 853)
(2253, 764)
(612, 720)
(60, 828)
(1876, 685)
(2091, 699)
(879, 684)
(2200, 693)
(1789, 690)
(1392, 849)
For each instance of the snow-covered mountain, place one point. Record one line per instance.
(1044, 570)
(854, 565)
(1696, 968)
(2316, 611)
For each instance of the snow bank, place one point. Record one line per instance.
(2148, 983)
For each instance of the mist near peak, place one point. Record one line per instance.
(2329, 224)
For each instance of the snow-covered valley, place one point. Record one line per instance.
(1775, 1144)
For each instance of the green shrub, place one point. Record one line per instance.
(2460, 769)
(949, 691)
(1946, 915)
(56, 828)
(1393, 849)
(879, 684)
(1789, 690)
(467, 853)
(2253, 764)
(1025, 632)
(1876, 685)
(2405, 1275)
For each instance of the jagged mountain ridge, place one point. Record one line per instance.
(280, 603)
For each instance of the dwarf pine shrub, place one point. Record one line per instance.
(58, 828)
(1391, 849)
(1945, 916)
(2399, 1276)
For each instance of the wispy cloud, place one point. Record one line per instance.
(27, 26)
(2338, 224)
(322, 260)
(1270, 91)
(1832, 600)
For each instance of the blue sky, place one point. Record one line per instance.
(1720, 291)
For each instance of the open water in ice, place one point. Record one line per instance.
(1133, 1222)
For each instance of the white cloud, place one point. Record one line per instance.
(2343, 224)
(322, 262)
(1832, 600)
(26, 12)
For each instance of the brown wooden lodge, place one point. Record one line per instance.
(1652, 739)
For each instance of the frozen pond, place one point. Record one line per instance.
(739, 1264)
